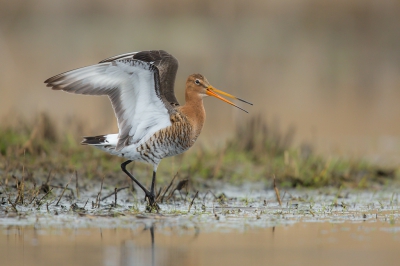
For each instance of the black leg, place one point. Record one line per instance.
(153, 185)
(150, 195)
(123, 167)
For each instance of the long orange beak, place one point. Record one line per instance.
(211, 91)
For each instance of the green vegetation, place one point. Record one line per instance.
(257, 152)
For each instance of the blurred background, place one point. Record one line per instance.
(331, 68)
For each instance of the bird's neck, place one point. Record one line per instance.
(194, 111)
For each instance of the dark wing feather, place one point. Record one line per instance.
(167, 67)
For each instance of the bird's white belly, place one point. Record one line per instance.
(151, 151)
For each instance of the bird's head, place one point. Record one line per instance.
(199, 84)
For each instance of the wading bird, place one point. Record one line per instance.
(152, 125)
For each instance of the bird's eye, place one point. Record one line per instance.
(197, 82)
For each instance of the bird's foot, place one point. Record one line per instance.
(152, 204)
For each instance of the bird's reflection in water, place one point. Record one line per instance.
(139, 251)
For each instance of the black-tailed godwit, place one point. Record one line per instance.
(152, 125)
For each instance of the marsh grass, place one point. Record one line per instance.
(36, 151)
(258, 151)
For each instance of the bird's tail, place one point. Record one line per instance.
(101, 140)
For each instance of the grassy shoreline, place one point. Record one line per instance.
(257, 152)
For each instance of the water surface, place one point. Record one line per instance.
(304, 243)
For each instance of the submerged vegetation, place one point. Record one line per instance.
(257, 152)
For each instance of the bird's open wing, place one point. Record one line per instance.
(133, 87)
(167, 67)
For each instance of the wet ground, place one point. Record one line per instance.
(229, 226)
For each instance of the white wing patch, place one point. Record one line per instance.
(133, 89)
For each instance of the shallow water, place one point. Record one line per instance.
(312, 227)
(304, 243)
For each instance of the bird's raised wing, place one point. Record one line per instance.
(133, 87)
(167, 67)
